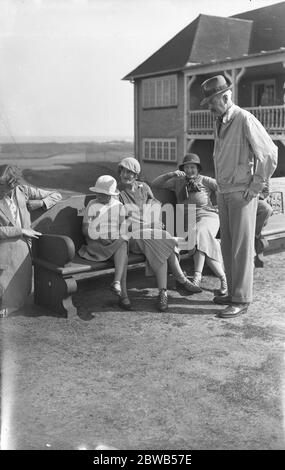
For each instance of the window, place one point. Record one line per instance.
(263, 93)
(160, 150)
(159, 92)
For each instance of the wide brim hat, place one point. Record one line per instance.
(214, 86)
(190, 158)
(105, 184)
(130, 163)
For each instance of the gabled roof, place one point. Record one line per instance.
(210, 38)
(206, 38)
(172, 56)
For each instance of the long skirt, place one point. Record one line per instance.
(101, 249)
(16, 276)
(207, 226)
(157, 245)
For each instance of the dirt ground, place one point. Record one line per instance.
(143, 380)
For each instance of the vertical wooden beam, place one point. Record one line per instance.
(187, 86)
(136, 122)
(235, 77)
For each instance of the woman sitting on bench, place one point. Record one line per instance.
(102, 228)
(158, 246)
(190, 187)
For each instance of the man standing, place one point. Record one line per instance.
(244, 158)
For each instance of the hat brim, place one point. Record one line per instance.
(206, 100)
(181, 166)
(128, 168)
(95, 190)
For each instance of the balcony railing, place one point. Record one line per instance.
(201, 122)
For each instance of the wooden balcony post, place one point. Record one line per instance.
(235, 77)
(188, 81)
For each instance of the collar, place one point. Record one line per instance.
(10, 197)
(228, 114)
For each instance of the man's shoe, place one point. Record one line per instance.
(233, 310)
(162, 301)
(222, 300)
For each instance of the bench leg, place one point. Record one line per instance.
(53, 291)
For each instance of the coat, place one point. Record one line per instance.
(15, 258)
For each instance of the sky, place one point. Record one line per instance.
(62, 61)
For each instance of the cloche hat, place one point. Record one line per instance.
(105, 184)
(190, 158)
(214, 86)
(130, 163)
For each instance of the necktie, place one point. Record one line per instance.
(219, 124)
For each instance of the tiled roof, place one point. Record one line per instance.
(210, 38)
(268, 31)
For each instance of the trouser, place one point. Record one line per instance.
(264, 211)
(237, 229)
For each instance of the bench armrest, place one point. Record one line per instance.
(56, 249)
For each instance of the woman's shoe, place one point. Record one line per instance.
(223, 289)
(162, 300)
(196, 281)
(222, 300)
(189, 286)
(116, 288)
(4, 313)
(124, 302)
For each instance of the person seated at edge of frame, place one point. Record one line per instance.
(190, 187)
(17, 198)
(105, 237)
(158, 246)
(264, 211)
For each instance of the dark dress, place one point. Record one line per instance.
(207, 218)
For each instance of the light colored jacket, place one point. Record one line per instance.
(244, 154)
(15, 260)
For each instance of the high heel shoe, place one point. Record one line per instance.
(124, 303)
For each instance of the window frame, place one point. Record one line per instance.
(158, 92)
(268, 81)
(157, 146)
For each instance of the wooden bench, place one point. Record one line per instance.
(57, 266)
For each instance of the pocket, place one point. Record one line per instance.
(242, 174)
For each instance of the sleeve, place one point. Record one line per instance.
(91, 220)
(210, 183)
(50, 198)
(10, 232)
(149, 193)
(165, 182)
(264, 149)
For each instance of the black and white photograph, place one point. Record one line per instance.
(142, 228)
